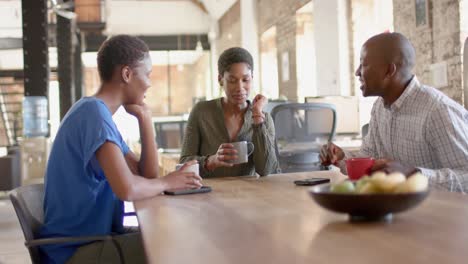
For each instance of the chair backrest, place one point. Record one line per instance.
(347, 112)
(304, 122)
(28, 203)
(305, 125)
(272, 104)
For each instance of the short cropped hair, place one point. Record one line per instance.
(234, 55)
(119, 50)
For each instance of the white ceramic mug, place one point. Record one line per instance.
(192, 168)
(244, 149)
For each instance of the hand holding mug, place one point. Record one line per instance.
(225, 154)
(182, 179)
(188, 167)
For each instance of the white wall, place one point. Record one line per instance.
(370, 17)
(156, 18)
(11, 19)
(249, 37)
(13, 59)
(331, 40)
(344, 82)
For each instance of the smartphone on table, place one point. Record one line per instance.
(311, 181)
(202, 189)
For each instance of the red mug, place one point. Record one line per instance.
(358, 167)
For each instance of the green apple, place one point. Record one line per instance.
(343, 187)
(361, 183)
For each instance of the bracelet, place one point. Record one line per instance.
(259, 115)
(205, 165)
(259, 123)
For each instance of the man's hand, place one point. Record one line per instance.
(258, 103)
(330, 154)
(389, 166)
(226, 152)
(182, 180)
(138, 111)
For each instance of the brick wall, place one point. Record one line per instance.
(184, 87)
(91, 81)
(192, 85)
(441, 40)
(438, 41)
(229, 30)
(282, 13)
(156, 97)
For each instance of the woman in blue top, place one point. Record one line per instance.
(91, 169)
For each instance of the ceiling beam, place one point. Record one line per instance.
(11, 43)
(200, 5)
(172, 42)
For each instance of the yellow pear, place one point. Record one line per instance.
(369, 187)
(387, 183)
(415, 183)
(418, 182)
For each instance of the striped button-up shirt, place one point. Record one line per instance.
(423, 128)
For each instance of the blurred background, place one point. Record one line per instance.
(304, 51)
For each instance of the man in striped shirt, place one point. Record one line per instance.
(413, 127)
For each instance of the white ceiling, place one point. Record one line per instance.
(215, 8)
(155, 18)
(137, 17)
(164, 17)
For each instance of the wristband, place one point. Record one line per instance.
(205, 165)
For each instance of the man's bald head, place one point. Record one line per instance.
(386, 65)
(392, 48)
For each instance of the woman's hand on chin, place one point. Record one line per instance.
(258, 103)
(138, 110)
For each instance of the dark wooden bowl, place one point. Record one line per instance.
(365, 207)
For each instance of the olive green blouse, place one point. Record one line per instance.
(206, 131)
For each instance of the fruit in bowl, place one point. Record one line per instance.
(372, 198)
(381, 182)
(343, 187)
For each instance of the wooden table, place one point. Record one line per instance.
(270, 220)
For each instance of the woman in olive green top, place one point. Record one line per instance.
(214, 124)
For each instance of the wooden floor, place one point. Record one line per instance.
(12, 250)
